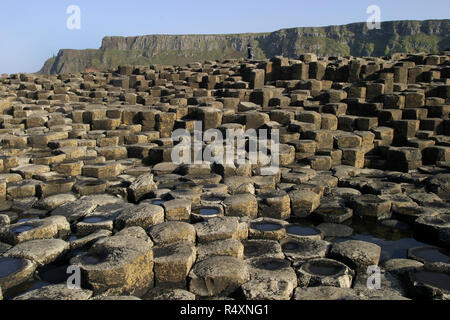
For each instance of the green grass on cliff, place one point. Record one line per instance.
(352, 39)
(415, 43)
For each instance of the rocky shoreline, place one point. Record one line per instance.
(88, 183)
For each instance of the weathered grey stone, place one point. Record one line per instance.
(372, 206)
(235, 184)
(117, 265)
(333, 210)
(135, 232)
(94, 223)
(301, 250)
(217, 276)
(429, 254)
(429, 227)
(270, 279)
(335, 230)
(356, 254)
(220, 228)
(275, 204)
(75, 210)
(55, 201)
(241, 205)
(56, 292)
(4, 220)
(267, 228)
(93, 151)
(116, 298)
(89, 239)
(33, 230)
(325, 293)
(4, 247)
(324, 272)
(299, 231)
(141, 186)
(440, 184)
(42, 252)
(172, 231)
(259, 248)
(430, 282)
(191, 195)
(15, 271)
(227, 247)
(172, 263)
(143, 215)
(303, 202)
(169, 294)
(177, 210)
(400, 266)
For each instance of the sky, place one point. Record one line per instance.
(33, 31)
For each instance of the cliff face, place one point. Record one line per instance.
(352, 39)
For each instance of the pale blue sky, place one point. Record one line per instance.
(32, 31)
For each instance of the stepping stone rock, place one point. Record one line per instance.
(332, 211)
(324, 272)
(177, 210)
(220, 228)
(228, 247)
(42, 252)
(257, 248)
(429, 227)
(172, 263)
(299, 231)
(346, 193)
(372, 206)
(429, 255)
(301, 250)
(117, 265)
(432, 282)
(90, 239)
(4, 220)
(53, 202)
(116, 298)
(94, 223)
(172, 231)
(192, 196)
(236, 184)
(143, 215)
(75, 210)
(135, 232)
(275, 204)
(15, 271)
(4, 247)
(56, 292)
(325, 293)
(34, 230)
(400, 266)
(156, 294)
(271, 279)
(218, 276)
(241, 205)
(140, 187)
(304, 202)
(266, 228)
(440, 184)
(335, 230)
(358, 255)
(410, 214)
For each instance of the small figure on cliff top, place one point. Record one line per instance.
(251, 54)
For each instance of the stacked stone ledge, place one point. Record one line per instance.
(87, 177)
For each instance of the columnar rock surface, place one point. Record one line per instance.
(88, 180)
